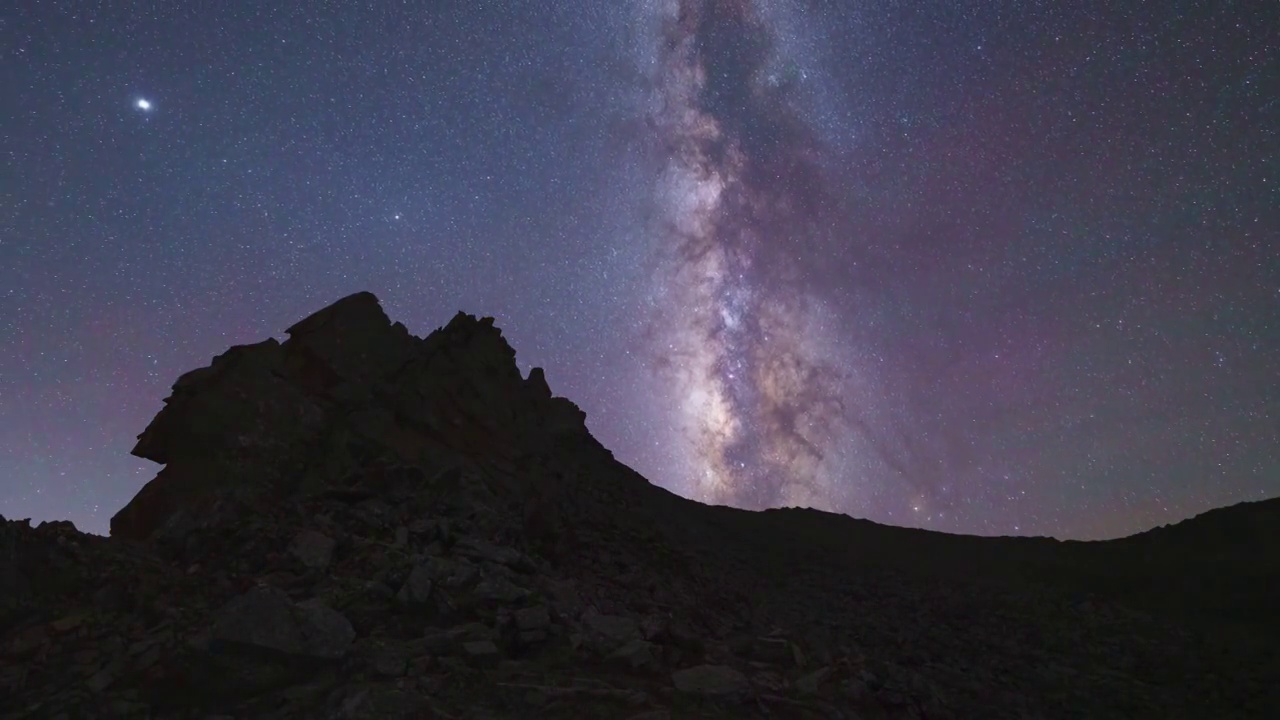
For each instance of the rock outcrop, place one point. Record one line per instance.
(358, 523)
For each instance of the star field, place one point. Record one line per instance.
(987, 268)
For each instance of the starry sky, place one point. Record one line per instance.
(989, 267)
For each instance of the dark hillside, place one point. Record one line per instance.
(359, 523)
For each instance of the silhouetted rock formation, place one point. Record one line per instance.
(357, 523)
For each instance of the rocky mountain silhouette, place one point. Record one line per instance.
(359, 524)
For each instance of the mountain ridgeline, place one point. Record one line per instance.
(358, 523)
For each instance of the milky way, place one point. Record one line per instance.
(746, 344)
(995, 268)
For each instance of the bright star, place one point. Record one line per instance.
(143, 104)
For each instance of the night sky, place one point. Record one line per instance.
(990, 267)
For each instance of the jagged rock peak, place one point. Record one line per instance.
(347, 385)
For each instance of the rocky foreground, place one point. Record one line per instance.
(360, 524)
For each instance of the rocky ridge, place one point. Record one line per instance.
(358, 523)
